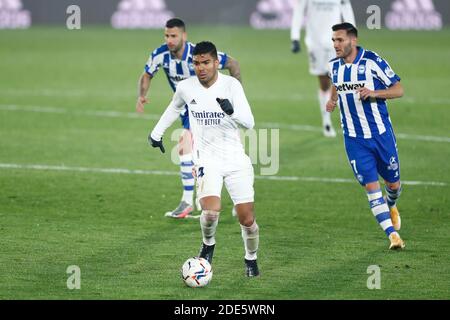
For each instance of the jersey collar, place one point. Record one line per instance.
(358, 57)
(187, 47)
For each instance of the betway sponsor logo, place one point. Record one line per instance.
(349, 87)
(178, 78)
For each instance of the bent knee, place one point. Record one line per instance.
(247, 219)
(210, 203)
(394, 185)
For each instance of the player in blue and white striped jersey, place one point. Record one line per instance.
(175, 58)
(362, 82)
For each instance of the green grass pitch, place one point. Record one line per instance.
(58, 92)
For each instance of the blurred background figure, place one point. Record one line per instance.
(320, 16)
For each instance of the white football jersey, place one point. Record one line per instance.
(215, 134)
(320, 16)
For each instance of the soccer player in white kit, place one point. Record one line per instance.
(320, 16)
(175, 58)
(217, 108)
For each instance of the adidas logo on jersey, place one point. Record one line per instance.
(193, 101)
(413, 14)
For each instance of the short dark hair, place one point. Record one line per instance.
(175, 22)
(351, 29)
(205, 47)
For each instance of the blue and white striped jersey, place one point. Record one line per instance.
(176, 70)
(362, 118)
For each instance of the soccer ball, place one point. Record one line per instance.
(196, 272)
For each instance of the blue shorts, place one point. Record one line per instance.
(185, 118)
(369, 158)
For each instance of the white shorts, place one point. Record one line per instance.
(238, 180)
(318, 60)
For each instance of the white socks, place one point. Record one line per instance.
(208, 222)
(250, 235)
(324, 96)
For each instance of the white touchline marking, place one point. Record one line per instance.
(403, 136)
(63, 93)
(422, 138)
(85, 169)
(54, 92)
(134, 115)
(44, 167)
(97, 113)
(296, 127)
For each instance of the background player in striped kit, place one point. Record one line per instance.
(362, 82)
(175, 57)
(320, 16)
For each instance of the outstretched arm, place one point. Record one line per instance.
(169, 116)
(331, 104)
(233, 67)
(144, 85)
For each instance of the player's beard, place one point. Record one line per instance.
(347, 50)
(176, 49)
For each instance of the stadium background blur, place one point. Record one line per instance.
(80, 186)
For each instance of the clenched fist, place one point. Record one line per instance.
(331, 104)
(140, 104)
